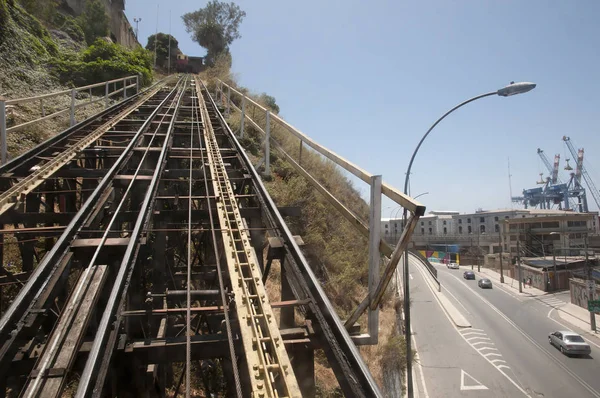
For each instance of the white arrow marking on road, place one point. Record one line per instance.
(479, 386)
(411, 277)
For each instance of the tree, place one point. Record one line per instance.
(269, 102)
(162, 49)
(93, 21)
(214, 27)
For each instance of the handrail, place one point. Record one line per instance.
(128, 82)
(394, 194)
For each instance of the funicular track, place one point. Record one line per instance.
(150, 246)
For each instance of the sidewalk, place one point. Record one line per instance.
(512, 283)
(571, 313)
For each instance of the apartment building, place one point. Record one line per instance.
(539, 229)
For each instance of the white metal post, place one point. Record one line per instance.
(106, 95)
(374, 256)
(125, 89)
(228, 99)
(137, 84)
(243, 116)
(3, 131)
(268, 144)
(72, 107)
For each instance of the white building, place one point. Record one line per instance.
(483, 228)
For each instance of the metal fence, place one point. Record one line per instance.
(125, 83)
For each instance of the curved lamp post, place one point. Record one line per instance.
(512, 89)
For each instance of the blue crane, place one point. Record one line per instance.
(580, 171)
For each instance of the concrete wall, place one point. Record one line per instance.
(580, 293)
(119, 26)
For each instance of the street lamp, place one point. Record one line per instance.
(137, 21)
(510, 90)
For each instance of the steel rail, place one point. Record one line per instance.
(87, 381)
(76, 301)
(267, 360)
(12, 195)
(188, 340)
(224, 303)
(356, 379)
(28, 295)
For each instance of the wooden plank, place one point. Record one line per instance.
(61, 360)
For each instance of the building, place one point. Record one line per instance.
(189, 64)
(120, 29)
(540, 230)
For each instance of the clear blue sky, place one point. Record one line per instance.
(368, 78)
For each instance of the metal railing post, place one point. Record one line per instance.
(3, 131)
(137, 84)
(243, 116)
(374, 255)
(72, 107)
(217, 92)
(124, 89)
(228, 100)
(268, 144)
(106, 95)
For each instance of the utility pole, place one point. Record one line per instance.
(590, 283)
(137, 23)
(156, 36)
(501, 247)
(519, 263)
(169, 60)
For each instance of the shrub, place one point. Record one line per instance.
(94, 21)
(105, 61)
(70, 26)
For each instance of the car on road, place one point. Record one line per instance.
(452, 265)
(484, 283)
(469, 275)
(569, 343)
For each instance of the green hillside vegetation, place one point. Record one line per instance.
(42, 50)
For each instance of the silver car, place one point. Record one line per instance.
(569, 343)
(452, 265)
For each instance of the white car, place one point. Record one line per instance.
(452, 265)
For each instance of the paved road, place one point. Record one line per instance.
(455, 362)
(519, 326)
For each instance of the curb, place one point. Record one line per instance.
(455, 315)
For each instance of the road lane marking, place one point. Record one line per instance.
(481, 342)
(531, 340)
(480, 350)
(490, 354)
(411, 277)
(498, 360)
(418, 363)
(478, 338)
(475, 333)
(464, 387)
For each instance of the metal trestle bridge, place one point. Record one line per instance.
(144, 237)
